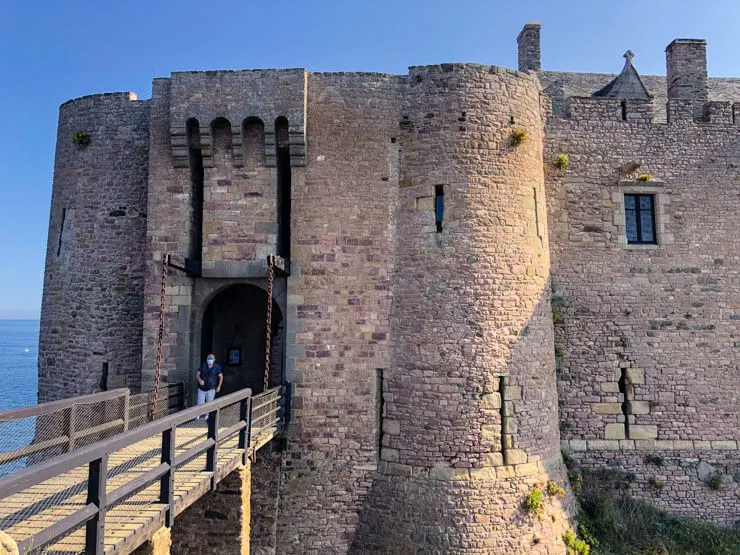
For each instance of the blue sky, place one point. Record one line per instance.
(52, 51)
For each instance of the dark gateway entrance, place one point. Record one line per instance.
(234, 326)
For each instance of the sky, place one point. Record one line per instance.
(51, 51)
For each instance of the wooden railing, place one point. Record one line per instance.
(60, 428)
(266, 406)
(60, 417)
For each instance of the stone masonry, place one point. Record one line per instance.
(462, 304)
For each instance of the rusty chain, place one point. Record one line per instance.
(153, 408)
(268, 336)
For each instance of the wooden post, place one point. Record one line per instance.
(245, 436)
(126, 402)
(167, 482)
(246, 512)
(71, 427)
(95, 527)
(212, 453)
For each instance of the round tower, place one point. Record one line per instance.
(470, 410)
(92, 308)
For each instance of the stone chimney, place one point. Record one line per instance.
(686, 68)
(529, 47)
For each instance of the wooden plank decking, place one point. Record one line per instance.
(134, 520)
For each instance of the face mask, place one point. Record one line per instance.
(211, 361)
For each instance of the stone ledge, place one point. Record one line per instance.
(451, 474)
(647, 445)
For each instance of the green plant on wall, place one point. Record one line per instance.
(81, 138)
(644, 177)
(518, 137)
(715, 482)
(555, 490)
(559, 350)
(561, 162)
(656, 485)
(574, 545)
(558, 309)
(534, 502)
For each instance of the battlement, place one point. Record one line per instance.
(678, 110)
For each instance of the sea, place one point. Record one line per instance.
(19, 347)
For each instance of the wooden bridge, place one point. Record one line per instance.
(112, 495)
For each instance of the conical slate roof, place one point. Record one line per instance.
(626, 85)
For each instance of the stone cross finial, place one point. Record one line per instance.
(629, 55)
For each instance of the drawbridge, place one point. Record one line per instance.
(103, 472)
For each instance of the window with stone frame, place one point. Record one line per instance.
(639, 215)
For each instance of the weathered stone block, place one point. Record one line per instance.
(505, 472)
(577, 444)
(641, 431)
(527, 469)
(391, 427)
(607, 408)
(490, 431)
(636, 375)
(494, 459)
(614, 431)
(512, 393)
(491, 401)
(729, 444)
(483, 474)
(397, 469)
(609, 387)
(639, 407)
(515, 456)
(388, 454)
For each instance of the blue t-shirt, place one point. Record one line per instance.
(209, 376)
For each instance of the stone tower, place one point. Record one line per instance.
(91, 316)
(470, 402)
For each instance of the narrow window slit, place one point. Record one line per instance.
(623, 106)
(282, 138)
(61, 231)
(195, 162)
(439, 206)
(104, 378)
(379, 406)
(625, 388)
(537, 214)
(503, 380)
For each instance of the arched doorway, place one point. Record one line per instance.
(234, 330)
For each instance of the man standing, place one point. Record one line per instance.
(210, 379)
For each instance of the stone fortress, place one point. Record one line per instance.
(486, 266)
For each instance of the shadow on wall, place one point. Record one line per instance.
(429, 507)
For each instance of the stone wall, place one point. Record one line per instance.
(699, 480)
(218, 522)
(93, 283)
(338, 307)
(648, 333)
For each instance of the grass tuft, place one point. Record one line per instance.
(625, 526)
